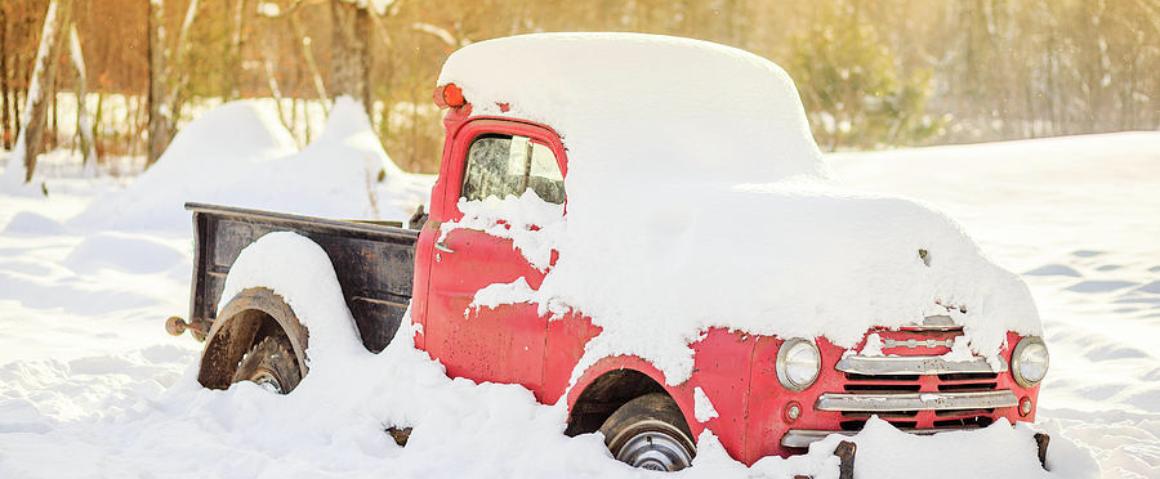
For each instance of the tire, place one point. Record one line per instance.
(650, 432)
(271, 364)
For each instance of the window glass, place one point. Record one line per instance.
(502, 165)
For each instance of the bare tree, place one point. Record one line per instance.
(84, 120)
(5, 131)
(350, 62)
(158, 113)
(30, 141)
(234, 53)
(168, 76)
(303, 40)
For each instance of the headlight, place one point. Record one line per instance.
(1029, 361)
(798, 364)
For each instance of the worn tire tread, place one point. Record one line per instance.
(275, 353)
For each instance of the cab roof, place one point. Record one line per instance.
(644, 105)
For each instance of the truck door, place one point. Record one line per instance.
(504, 343)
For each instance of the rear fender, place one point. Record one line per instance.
(251, 315)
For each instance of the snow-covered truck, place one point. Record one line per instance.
(642, 228)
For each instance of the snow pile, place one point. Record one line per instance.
(705, 184)
(307, 284)
(338, 175)
(239, 155)
(997, 451)
(233, 140)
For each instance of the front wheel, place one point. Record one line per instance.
(271, 364)
(650, 432)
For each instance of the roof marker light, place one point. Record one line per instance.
(449, 95)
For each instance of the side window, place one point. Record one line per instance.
(503, 165)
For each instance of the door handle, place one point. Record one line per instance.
(442, 247)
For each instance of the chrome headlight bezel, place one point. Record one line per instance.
(1026, 346)
(789, 352)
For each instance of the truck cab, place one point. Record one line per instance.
(658, 285)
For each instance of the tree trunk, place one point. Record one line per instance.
(84, 120)
(350, 64)
(158, 111)
(237, 24)
(178, 69)
(164, 71)
(304, 41)
(5, 119)
(29, 144)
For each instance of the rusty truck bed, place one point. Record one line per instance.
(374, 262)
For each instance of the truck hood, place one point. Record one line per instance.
(657, 265)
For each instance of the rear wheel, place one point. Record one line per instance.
(271, 364)
(650, 432)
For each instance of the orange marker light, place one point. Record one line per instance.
(449, 95)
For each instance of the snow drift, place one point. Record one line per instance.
(240, 155)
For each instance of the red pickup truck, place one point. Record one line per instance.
(761, 394)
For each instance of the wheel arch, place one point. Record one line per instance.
(614, 381)
(251, 315)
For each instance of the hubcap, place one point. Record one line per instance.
(655, 451)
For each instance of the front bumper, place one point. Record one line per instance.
(882, 403)
(888, 403)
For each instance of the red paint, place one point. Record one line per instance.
(516, 344)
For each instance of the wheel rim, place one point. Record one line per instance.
(655, 451)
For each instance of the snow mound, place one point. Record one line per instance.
(240, 155)
(28, 223)
(301, 272)
(239, 131)
(123, 252)
(206, 160)
(336, 176)
(884, 451)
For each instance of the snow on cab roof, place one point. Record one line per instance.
(629, 103)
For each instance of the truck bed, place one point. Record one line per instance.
(374, 262)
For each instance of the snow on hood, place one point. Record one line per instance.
(697, 198)
(790, 259)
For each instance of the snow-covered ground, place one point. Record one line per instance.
(91, 386)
